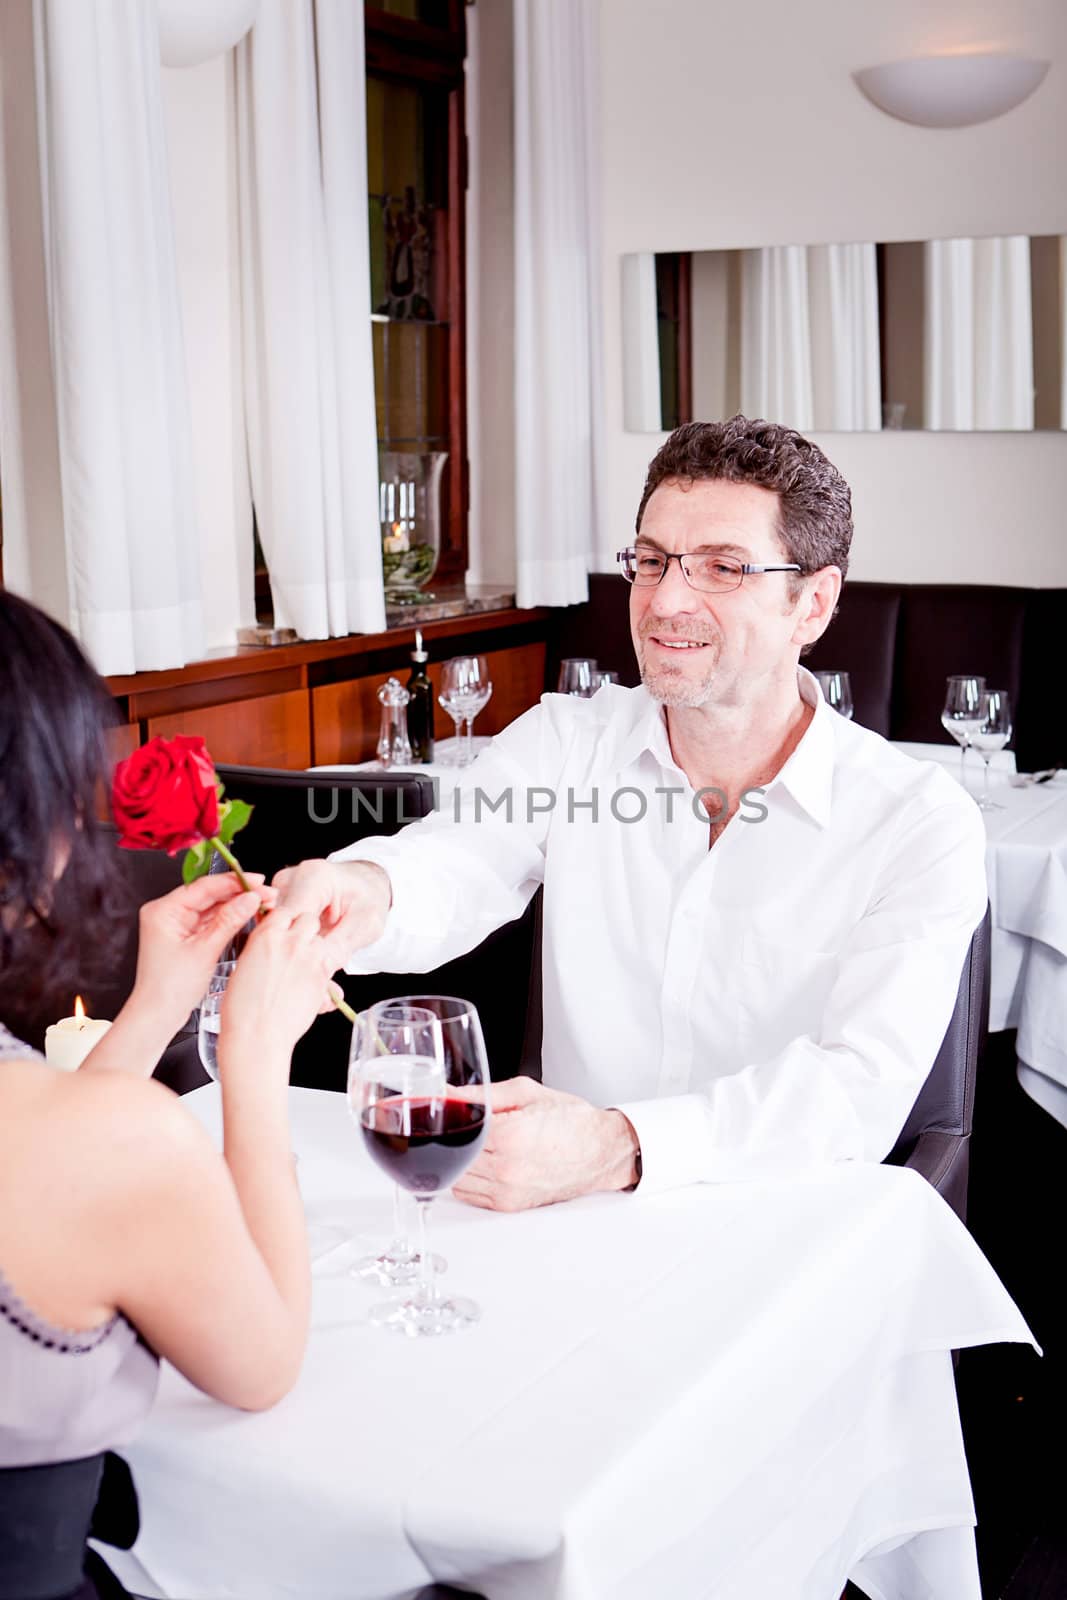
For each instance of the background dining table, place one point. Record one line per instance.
(1026, 866)
(741, 1389)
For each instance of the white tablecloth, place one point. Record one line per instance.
(735, 1390)
(1026, 864)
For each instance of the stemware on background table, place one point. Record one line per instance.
(991, 734)
(576, 676)
(836, 691)
(962, 712)
(465, 691)
(418, 1091)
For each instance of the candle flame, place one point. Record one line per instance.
(79, 1009)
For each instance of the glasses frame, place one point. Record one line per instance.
(746, 569)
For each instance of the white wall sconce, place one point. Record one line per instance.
(951, 91)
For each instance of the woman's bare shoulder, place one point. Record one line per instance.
(87, 1118)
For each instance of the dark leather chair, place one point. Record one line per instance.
(936, 1138)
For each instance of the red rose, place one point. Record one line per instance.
(164, 796)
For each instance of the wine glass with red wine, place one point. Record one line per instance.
(418, 1086)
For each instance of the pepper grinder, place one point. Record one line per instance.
(394, 747)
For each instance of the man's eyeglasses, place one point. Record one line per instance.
(707, 572)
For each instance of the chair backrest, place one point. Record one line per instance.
(299, 816)
(946, 1100)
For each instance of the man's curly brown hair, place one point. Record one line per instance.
(815, 504)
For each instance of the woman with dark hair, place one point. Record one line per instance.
(123, 1235)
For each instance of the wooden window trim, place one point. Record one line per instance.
(412, 52)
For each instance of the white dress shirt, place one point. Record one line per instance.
(773, 1002)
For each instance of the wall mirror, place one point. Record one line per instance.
(939, 334)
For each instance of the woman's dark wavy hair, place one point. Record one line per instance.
(56, 938)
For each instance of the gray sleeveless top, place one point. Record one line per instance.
(65, 1394)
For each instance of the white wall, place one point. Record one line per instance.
(726, 126)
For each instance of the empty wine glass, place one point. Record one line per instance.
(601, 677)
(398, 1265)
(990, 735)
(427, 1131)
(576, 675)
(465, 690)
(962, 713)
(837, 691)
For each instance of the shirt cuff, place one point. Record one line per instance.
(675, 1140)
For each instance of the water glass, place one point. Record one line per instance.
(418, 1090)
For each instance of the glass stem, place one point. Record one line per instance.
(470, 742)
(400, 1249)
(427, 1289)
(963, 762)
(985, 780)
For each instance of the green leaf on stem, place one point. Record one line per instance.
(197, 861)
(233, 816)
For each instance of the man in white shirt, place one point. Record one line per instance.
(755, 912)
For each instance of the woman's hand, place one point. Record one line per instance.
(280, 984)
(183, 935)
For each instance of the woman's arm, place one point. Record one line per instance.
(208, 1257)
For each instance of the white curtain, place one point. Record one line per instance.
(846, 362)
(558, 380)
(978, 335)
(116, 405)
(809, 336)
(305, 291)
(642, 397)
(776, 372)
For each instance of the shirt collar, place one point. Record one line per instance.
(647, 732)
(808, 775)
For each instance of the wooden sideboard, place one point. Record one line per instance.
(316, 704)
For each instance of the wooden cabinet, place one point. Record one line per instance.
(316, 704)
(271, 730)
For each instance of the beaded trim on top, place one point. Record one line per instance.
(49, 1335)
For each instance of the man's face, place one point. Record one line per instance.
(695, 648)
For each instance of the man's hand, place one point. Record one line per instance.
(545, 1146)
(351, 899)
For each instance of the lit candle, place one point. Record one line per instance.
(68, 1042)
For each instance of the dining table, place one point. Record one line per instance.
(1026, 869)
(730, 1390)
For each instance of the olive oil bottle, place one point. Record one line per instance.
(420, 704)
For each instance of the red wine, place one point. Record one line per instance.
(423, 1143)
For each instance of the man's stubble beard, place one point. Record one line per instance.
(674, 688)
